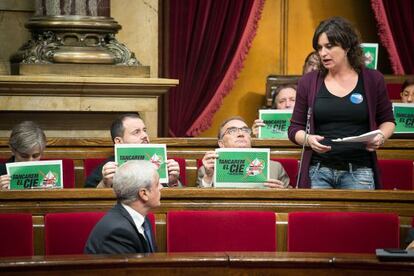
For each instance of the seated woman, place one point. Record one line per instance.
(284, 97)
(311, 63)
(27, 142)
(407, 94)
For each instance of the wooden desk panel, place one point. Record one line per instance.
(39, 203)
(206, 264)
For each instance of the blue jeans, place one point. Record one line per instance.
(328, 178)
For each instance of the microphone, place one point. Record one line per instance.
(307, 130)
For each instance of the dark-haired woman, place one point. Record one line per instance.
(341, 99)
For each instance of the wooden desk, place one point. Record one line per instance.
(39, 203)
(206, 264)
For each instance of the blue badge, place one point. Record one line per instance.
(356, 98)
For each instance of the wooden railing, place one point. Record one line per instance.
(189, 148)
(236, 263)
(40, 203)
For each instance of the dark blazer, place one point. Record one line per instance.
(3, 169)
(95, 177)
(116, 233)
(379, 111)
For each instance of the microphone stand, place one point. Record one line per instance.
(307, 130)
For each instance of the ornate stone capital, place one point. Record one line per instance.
(74, 39)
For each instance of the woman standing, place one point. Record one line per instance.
(341, 99)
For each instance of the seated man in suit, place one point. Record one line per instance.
(125, 228)
(234, 133)
(127, 129)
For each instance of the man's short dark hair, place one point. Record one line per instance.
(237, 118)
(117, 127)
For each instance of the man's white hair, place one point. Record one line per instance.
(132, 176)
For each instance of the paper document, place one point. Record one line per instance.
(361, 138)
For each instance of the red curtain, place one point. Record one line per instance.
(396, 30)
(208, 41)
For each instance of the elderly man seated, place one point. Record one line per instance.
(126, 228)
(234, 133)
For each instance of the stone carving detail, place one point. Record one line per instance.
(39, 49)
(122, 54)
(74, 40)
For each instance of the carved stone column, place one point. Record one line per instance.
(70, 33)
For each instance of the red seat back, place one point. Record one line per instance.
(213, 231)
(151, 218)
(89, 164)
(67, 233)
(397, 174)
(394, 91)
(291, 167)
(183, 173)
(68, 168)
(347, 232)
(199, 163)
(16, 235)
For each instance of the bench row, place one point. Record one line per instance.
(216, 231)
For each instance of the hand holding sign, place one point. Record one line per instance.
(108, 172)
(4, 181)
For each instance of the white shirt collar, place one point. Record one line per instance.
(136, 217)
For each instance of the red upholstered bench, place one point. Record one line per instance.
(291, 167)
(16, 235)
(397, 174)
(67, 233)
(215, 231)
(348, 232)
(68, 167)
(394, 90)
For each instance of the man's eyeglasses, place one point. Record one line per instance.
(235, 130)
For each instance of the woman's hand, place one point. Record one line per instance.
(375, 142)
(313, 142)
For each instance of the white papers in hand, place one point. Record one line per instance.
(361, 138)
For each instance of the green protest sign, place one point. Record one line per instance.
(371, 54)
(404, 117)
(35, 175)
(241, 168)
(156, 153)
(277, 122)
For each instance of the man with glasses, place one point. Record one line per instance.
(234, 133)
